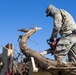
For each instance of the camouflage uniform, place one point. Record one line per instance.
(64, 24)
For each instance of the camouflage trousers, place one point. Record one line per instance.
(66, 46)
(72, 53)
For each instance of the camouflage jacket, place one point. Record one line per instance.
(63, 23)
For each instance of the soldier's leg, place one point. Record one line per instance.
(72, 54)
(72, 51)
(62, 49)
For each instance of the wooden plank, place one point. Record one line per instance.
(63, 68)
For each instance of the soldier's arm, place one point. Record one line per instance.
(57, 25)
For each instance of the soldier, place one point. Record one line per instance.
(64, 24)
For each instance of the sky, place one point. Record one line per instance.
(16, 14)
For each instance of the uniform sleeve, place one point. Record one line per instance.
(57, 25)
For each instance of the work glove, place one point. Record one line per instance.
(51, 40)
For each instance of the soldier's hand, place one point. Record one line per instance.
(51, 40)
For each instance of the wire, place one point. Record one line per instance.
(33, 42)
